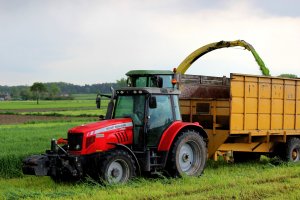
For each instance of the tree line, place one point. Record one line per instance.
(62, 90)
(57, 90)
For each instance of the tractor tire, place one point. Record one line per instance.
(292, 153)
(188, 155)
(116, 166)
(241, 157)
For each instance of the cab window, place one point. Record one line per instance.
(159, 118)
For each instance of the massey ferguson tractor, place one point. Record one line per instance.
(142, 132)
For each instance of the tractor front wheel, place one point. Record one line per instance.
(188, 155)
(117, 166)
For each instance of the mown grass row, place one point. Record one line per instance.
(64, 113)
(84, 96)
(82, 108)
(220, 181)
(14, 105)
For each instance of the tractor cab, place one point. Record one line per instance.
(151, 78)
(152, 111)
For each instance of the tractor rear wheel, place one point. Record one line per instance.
(188, 155)
(117, 166)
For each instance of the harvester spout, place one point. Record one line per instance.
(188, 61)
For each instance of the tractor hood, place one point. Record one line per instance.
(100, 136)
(102, 126)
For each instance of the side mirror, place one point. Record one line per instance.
(98, 101)
(152, 102)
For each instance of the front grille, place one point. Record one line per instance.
(75, 141)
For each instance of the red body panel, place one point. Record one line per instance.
(104, 132)
(169, 135)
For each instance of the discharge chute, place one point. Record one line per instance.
(188, 61)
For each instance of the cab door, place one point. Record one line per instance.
(159, 119)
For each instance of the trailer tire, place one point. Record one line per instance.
(293, 150)
(116, 166)
(188, 155)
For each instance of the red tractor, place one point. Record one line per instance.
(142, 132)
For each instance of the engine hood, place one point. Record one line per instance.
(100, 136)
(102, 126)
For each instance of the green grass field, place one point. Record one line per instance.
(220, 181)
(68, 108)
(67, 104)
(84, 96)
(19, 141)
(261, 180)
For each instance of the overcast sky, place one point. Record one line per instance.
(96, 41)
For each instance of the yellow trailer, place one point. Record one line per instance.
(245, 114)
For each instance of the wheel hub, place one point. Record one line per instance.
(115, 173)
(295, 154)
(185, 157)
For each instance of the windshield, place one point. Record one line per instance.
(164, 81)
(131, 106)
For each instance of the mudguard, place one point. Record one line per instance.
(173, 130)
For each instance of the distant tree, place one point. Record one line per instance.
(288, 76)
(38, 89)
(122, 82)
(15, 92)
(53, 90)
(26, 94)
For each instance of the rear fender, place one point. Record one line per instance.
(170, 134)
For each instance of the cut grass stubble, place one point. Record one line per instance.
(226, 181)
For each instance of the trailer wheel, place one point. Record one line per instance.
(293, 150)
(117, 167)
(188, 155)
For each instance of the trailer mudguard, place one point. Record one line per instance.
(175, 129)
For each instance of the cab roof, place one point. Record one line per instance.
(149, 72)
